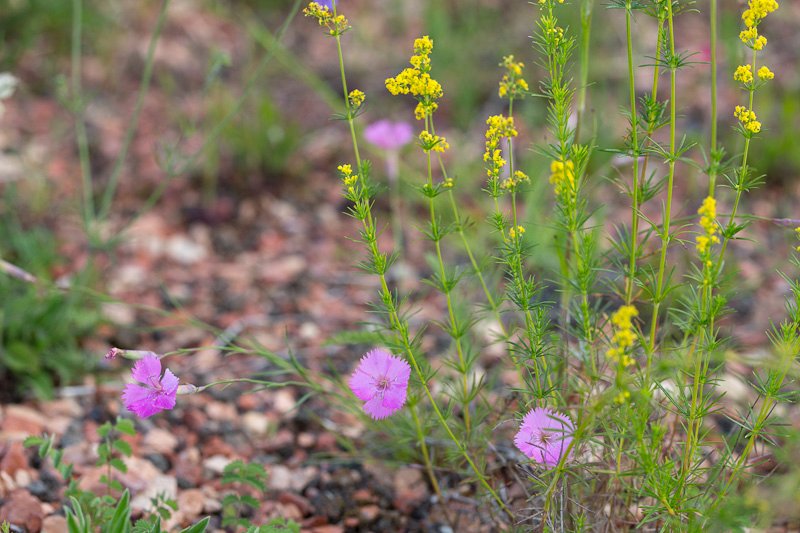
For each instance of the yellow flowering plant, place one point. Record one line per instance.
(629, 353)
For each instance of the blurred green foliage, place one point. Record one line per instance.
(40, 327)
(28, 24)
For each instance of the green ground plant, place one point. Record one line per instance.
(111, 512)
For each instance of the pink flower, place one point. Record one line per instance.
(389, 135)
(380, 380)
(155, 394)
(544, 436)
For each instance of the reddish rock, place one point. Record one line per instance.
(195, 419)
(364, 496)
(23, 510)
(369, 513)
(326, 442)
(14, 459)
(409, 488)
(248, 402)
(22, 421)
(54, 524)
(301, 503)
(306, 440)
(188, 469)
(331, 528)
(217, 446)
(221, 411)
(191, 503)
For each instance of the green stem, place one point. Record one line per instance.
(133, 123)
(635, 154)
(77, 105)
(665, 237)
(712, 178)
(444, 283)
(586, 30)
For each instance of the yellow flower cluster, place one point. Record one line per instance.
(512, 181)
(622, 396)
(544, 2)
(512, 85)
(562, 177)
(348, 178)
(356, 98)
(417, 80)
(336, 24)
(748, 119)
(498, 128)
(765, 73)
(743, 74)
(756, 11)
(556, 33)
(516, 233)
(797, 231)
(430, 142)
(624, 335)
(708, 215)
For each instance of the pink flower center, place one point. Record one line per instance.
(154, 382)
(544, 437)
(382, 384)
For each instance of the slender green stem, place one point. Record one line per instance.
(635, 154)
(700, 356)
(740, 186)
(493, 304)
(427, 460)
(78, 109)
(665, 236)
(648, 135)
(133, 123)
(712, 178)
(586, 31)
(444, 283)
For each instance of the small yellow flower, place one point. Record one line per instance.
(759, 43)
(562, 177)
(516, 233)
(356, 98)
(744, 115)
(498, 128)
(708, 215)
(753, 126)
(743, 74)
(512, 84)
(624, 336)
(336, 25)
(430, 142)
(748, 35)
(765, 73)
(622, 397)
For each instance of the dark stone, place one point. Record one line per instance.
(159, 460)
